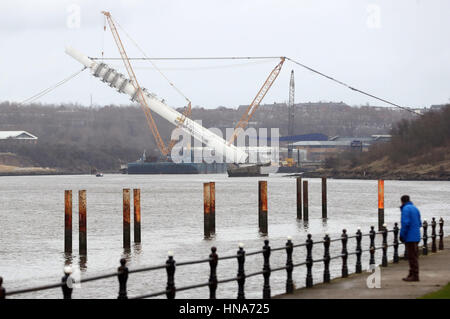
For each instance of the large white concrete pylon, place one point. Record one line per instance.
(118, 81)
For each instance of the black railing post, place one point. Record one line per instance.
(396, 230)
(241, 271)
(289, 266)
(266, 270)
(213, 260)
(358, 268)
(326, 258)
(309, 262)
(384, 260)
(67, 283)
(433, 235)
(425, 237)
(441, 234)
(2, 290)
(372, 245)
(344, 253)
(170, 268)
(122, 275)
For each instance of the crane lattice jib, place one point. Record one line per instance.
(150, 121)
(256, 101)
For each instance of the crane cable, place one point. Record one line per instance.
(273, 57)
(51, 88)
(153, 64)
(352, 88)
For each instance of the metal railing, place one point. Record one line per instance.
(170, 266)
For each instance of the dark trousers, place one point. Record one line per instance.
(413, 257)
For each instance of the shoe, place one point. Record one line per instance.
(410, 279)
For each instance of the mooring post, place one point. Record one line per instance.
(82, 224)
(262, 207)
(212, 215)
(213, 261)
(324, 197)
(299, 198)
(396, 243)
(207, 210)
(433, 235)
(68, 221)
(305, 201)
(380, 204)
(441, 234)
(122, 275)
(137, 214)
(425, 237)
(126, 218)
(289, 266)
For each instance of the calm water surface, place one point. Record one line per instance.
(32, 227)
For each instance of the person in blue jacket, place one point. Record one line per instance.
(410, 235)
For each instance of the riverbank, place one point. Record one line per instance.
(433, 271)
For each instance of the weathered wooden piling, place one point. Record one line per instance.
(299, 198)
(137, 214)
(82, 224)
(212, 215)
(305, 200)
(262, 207)
(207, 209)
(380, 204)
(126, 218)
(68, 221)
(324, 198)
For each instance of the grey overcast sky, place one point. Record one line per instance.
(398, 50)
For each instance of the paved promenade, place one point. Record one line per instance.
(434, 274)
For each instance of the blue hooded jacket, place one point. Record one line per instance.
(411, 223)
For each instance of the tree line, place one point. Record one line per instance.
(77, 138)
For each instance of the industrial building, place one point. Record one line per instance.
(316, 151)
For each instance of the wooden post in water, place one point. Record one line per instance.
(299, 198)
(380, 204)
(305, 201)
(207, 210)
(82, 224)
(212, 221)
(126, 218)
(262, 207)
(137, 214)
(68, 221)
(324, 197)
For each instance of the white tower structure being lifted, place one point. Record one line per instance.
(118, 81)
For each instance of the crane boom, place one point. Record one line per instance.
(142, 101)
(256, 101)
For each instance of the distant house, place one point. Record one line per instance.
(15, 137)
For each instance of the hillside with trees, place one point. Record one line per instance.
(75, 138)
(419, 149)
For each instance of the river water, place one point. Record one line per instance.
(32, 228)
